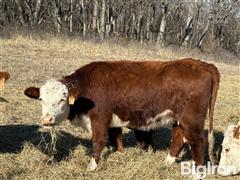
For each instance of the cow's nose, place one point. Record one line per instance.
(47, 120)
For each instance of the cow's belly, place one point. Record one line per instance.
(163, 119)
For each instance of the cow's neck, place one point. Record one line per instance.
(72, 113)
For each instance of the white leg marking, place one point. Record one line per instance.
(117, 122)
(92, 165)
(170, 159)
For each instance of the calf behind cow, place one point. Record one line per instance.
(144, 95)
(230, 156)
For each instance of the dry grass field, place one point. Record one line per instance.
(24, 147)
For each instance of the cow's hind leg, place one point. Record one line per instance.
(197, 141)
(115, 138)
(176, 145)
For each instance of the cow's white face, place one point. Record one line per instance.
(230, 156)
(54, 100)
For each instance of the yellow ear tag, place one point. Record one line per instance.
(71, 99)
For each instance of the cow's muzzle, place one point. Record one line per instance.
(47, 122)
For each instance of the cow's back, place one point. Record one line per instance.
(137, 90)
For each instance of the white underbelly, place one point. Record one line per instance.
(163, 119)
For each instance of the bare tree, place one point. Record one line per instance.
(102, 19)
(20, 10)
(84, 18)
(201, 23)
(36, 12)
(71, 16)
(149, 21)
(189, 25)
(95, 13)
(163, 24)
(56, 14)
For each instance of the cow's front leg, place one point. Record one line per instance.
(198, 144)
(99, 139)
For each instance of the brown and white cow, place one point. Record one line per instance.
(144, 95)
(4, 76)
(230, 156)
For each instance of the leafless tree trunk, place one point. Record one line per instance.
(126, 24)
(36, 12)
(102, 19)
(84, 17)
(71, 16)
(114, 28)
(56, 15)
(200, 40)
(108, 22)
(189, 26)
(139, 23)
(163, 24)
(94, 18)
(149, 21)
(133, 25)
(20, 11)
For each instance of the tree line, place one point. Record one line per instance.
(193, 23)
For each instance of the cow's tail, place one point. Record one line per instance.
(215, 85)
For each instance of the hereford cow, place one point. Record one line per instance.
(143, 95)
(4, 76)
(230, 156)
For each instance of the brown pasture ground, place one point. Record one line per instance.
(25, 148)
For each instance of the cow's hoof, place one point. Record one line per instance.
(198, 176)
(121, 150)
(170, 159)
(92, 165)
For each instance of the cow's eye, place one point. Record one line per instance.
(40, 99)
(227, 149)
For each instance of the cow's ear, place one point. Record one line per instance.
(236, 133)
(83, 105)
(32, 92)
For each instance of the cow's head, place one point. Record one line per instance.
(230, 156)
(54, 99)
(58, 103)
